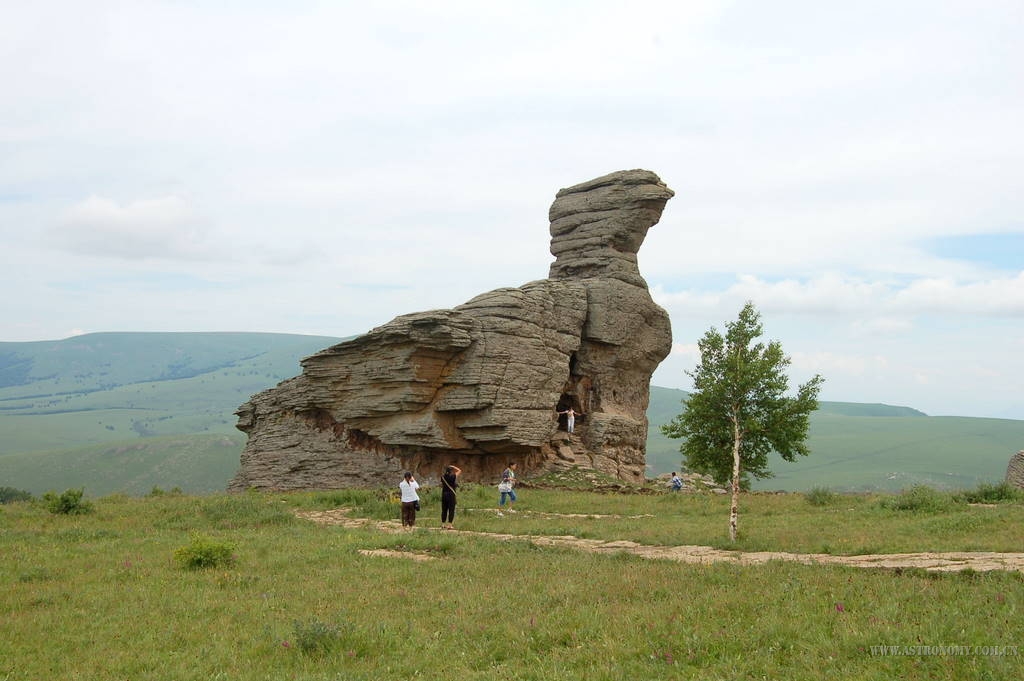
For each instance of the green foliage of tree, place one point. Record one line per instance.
(738, 412)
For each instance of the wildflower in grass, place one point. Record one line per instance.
(840, 608)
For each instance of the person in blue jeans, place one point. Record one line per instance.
(507, 487)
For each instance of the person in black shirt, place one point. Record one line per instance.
(449, 483)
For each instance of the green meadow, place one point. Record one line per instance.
(107, 594)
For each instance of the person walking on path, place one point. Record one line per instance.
(507, 487)
(449, 483)
(570, 419)
(410, 499)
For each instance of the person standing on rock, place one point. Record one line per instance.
(570, 419)
(449, 483)
(507, 487)
(410, 499)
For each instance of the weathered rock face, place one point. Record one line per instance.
(1015, 470)
(479, 385)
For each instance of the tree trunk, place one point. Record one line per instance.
(734, 510)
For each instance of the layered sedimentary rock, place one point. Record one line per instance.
(1015, 470)
(481, 384)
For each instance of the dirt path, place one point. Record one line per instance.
(981, 561)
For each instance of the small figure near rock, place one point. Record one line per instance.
(570, 419)
(676, 482)
(507, 487)
(449, 483)
(410, 500)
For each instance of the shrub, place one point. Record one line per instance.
(919, 498)
(160, 492)
(68, 503)
(986, 493)
(9, 494)
(203, 553)
(821, 496)
(315, 637)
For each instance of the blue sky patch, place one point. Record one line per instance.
(1003, 251)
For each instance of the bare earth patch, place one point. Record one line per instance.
(979, 561)
(389, 553)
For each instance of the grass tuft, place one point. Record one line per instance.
(986, 493)
(920, 498)
(202, 553)
(821, 496)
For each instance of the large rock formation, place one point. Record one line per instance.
(1015, 470)
(479, 385)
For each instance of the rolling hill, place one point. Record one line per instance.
(870, 447)
(124, 412)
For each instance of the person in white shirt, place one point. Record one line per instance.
(410, 499)
(570, 419)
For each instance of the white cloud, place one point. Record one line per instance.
(831, 363)
(885, 304)
(165, 228)
(1000, 297)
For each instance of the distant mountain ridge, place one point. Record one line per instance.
(99, 361)
(127, 411)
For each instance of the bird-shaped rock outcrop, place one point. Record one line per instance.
(481, 385)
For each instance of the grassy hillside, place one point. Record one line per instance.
(149, 397)
(197, 463)
(129, 411)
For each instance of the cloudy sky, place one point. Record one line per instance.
(855, 169)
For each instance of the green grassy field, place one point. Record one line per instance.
(101, 596)
(113, 412)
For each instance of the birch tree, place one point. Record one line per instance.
(738, 412)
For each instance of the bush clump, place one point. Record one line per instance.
(202, 552)
(986, 493)
(159, 492)
(920, 498)
(68, 503)
(316, 637)
(9, 495)
(820, 496)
